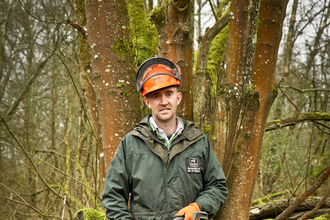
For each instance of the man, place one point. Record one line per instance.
(165, 164)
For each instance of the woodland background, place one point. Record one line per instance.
(255, 80)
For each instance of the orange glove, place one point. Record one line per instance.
(188, 211)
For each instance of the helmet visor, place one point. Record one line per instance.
(150, 68)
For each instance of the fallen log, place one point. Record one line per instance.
(318, 213)
(271, 210)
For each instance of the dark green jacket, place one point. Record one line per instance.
(163, 181)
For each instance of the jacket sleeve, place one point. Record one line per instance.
(215, 185)
(116, 187)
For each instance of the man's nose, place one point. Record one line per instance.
(163, 100)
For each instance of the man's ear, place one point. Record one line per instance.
(179, 98)
(146, 101)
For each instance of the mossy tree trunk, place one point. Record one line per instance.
(174, 22)
(209, 64)
(249, 92)
(111, 37)
(112, 73)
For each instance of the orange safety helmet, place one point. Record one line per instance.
(157, 73)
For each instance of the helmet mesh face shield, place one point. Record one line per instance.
(157, 73)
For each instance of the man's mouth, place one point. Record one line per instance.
(165, 110)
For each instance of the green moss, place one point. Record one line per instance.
(208, 130)
(143, 33)
(216, 59)
(181, 3)
(158, 15)
(96, 74)
(121, 47)
(197, 114)
(276, 121)
(251, 96)
(80, 10)
(221, 7)
(257, 202)
(321, 165)
(323, 217)
(119, 85)
(318, 114)
(221, 89)
(91, 214)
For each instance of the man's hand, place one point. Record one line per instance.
(188, 211)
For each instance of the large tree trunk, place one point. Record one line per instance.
(174, 22)
(113, 72)
(245, 105)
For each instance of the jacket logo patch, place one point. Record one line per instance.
(193, 165)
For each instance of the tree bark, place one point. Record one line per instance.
(248, 97)
(113, 79)
(201, 82)
(174, 22)
(88, 86)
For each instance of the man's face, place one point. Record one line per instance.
(163, 104)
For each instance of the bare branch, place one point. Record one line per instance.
(3, 120)
(78, 27)
(296, 119)
(279, 86)
(28, 85)
(308, 192)
(213, 11)
(49, 22)
(316, 208)
(321, 129)
(307, 90)
(19, 202)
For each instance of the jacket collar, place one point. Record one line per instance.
(190, 131)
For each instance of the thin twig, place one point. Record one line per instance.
(321, 129)
(3, 120)
(78, 27)
(49, 22)
(213, 11)
(279, 86)
(64, 198)
(307, 90)
(26, 204)
(322, 125)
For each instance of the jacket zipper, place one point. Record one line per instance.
(166, 181)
